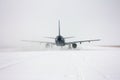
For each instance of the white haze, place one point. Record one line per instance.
(34, 19)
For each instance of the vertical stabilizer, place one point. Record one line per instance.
(59, 26)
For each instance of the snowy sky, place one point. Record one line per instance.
(34, 19)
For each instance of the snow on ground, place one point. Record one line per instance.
(60, 64)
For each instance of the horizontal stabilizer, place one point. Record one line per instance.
(50, 37)
(69, 37)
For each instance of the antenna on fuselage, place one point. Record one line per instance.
(59, 27)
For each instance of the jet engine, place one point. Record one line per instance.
(47, 45)
(74, 45)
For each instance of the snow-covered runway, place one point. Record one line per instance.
(86, 64)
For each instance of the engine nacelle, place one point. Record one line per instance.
(47, 45)
(74, 45)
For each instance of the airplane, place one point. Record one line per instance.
(60, 40)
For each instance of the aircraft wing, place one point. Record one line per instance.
(39, 42)
(82, 41)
